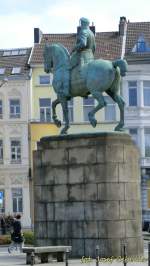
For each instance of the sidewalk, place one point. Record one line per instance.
(18, 259)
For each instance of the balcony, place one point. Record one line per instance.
(145, 162)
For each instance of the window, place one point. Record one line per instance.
(141, 46)
(15, 151)
(146, 92)
(44, 80)
(22, 52)
(14, 52)
(134, 134)
(2, 201)
(16, 70)
(45, 109)
(110, 109)
(88, 105)
(147, 142)
(132, 85)
(17, 199)
(14, 108)
(7, 53)
(70, 110)
(2, 71)
(1, 151)
(1, 109)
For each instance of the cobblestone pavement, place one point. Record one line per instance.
(18, 259)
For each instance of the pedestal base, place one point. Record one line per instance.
(87, 193)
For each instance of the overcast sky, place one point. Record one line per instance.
(18, 18)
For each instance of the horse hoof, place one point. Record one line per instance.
(93, 122)
(119, 128)
(63, 132)
(58, 123)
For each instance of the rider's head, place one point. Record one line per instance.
(84, 22)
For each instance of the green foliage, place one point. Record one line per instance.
(29, 237)
(5, 239)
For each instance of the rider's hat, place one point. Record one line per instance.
(85, 21)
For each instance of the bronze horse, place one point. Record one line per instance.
(93, 78)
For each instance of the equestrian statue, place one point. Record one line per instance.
(78, 74)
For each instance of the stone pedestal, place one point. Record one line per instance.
(87, 193)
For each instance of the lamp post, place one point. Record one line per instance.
(97, 255)
(67, 255)
(124, 251)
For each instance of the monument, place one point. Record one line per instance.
(81, 75)
(87, 186)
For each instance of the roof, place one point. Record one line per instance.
(108, 45)
(134, 31)
(14, 60)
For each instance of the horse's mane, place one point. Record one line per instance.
(64, 49)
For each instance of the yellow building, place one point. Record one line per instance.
(41, 124)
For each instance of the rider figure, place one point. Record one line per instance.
(83, 52)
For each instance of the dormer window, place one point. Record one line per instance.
(2, 71)
(141, 46)
(22, 52)
(14, 52)
(7, 53)
(16, 70)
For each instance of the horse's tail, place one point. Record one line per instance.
(122, 64)
(116, 82)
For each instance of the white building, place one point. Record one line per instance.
(136, 91)
(14, 150)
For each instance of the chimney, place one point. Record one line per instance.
(122, 26)
(92, 28)
(37, 35)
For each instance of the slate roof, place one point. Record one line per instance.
(108, 45)
(134, 30)
(10, 61)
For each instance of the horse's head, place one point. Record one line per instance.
(47, 55)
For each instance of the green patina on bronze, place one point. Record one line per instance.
(79, 74)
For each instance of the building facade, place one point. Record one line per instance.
(14, 118)
(136, 90)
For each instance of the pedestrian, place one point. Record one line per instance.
(16, 235)
(3, 225)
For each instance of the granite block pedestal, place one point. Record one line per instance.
(87, 193)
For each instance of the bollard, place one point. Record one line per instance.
(32, 258)
(97, 255)
(67, 255)
(148, 253)
(124, 255)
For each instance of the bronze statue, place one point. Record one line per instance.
(87, 76)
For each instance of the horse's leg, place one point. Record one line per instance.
(101, 103)
(56, 121)
(64, 105)
(118, 99)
